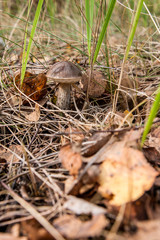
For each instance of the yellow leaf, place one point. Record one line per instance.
(125, 175)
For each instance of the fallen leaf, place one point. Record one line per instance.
(35, 115)
(72, 227)
(131, 137)
(69, 184)
(152, 148)
(157, 182)
(13, 153)
(140, 209)
(147, 230)
(154, 142)
(154, 139)
(43, 101)
(13, 99)
(89, 180)
(80, 206)
(71, 159)
(125, 174)
(152, 155)
(87, 183)
(156, 132)
(85, 188)
(99, 139)
(94, 143)
(15, 230)
(34, 86)
(92, 175)
(34, 230)
(8, 236)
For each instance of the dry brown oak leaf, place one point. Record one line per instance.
(34, 86)
(70, 159)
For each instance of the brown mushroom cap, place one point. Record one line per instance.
(64, 72)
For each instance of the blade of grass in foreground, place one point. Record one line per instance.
(154, 109)
(133, 29)
(37, 14)
(155, 105)
(89, 8)
(104, 28)
(129, 43)
(25, 36)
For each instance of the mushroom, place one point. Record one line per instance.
(65, 73)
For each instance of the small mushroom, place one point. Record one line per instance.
(65, 73)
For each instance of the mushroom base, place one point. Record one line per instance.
(63, 98)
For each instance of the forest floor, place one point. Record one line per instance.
(80, 173)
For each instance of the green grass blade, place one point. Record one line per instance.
(51, 8)
(37, 14)
(104, 28)
(91, 15)
(89, 9)
(45, 31)
(25, 36)
(129, 43)
(155, 105)
(133, 29)
(152, 115)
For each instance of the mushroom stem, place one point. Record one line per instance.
(63, 98)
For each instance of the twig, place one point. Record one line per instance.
(53, 231)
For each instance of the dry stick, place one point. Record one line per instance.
(30, 169)
(17, 220)
(26, 172)
(112, 234)
(50, 184)
(136, 107)
(5, 96)
(35, 135)
(78, 111)
(31, 173)
(119, 85)
(21, 219)
(27, 162)
(53, 231)
(155, 24)
(56, 189)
